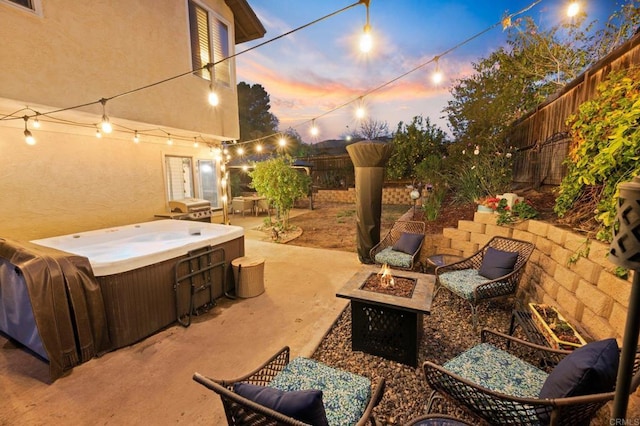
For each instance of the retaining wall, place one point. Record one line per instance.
(389, 196)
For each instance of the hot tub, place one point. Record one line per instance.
(135, 266)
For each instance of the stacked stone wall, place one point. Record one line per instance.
(396, 196)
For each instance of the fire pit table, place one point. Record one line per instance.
(387, 325)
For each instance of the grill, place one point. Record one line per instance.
(193, 209)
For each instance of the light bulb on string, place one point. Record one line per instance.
(366, 40)
(36, 122)
(437, 75)
(573, 9)
(169, 140)
(214, 100)
(314, 130)
(98, 134)
(258, 148)
(360, 110)
(28, 137)
(136, 137)
(282, 142)
(240, 151)
(105, 124)
(195, 142)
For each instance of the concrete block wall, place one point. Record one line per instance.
(564, 270)
(389, 196)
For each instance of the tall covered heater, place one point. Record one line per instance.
(625, 252)
(369, 159)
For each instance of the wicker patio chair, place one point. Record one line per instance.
(399, 248)
(498, 382)
(239, 204)
(468, 279)
(280, 373)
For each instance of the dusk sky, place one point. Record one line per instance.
(319, 68)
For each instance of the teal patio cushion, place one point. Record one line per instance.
(498, 371)
(345, 395)
(462, 282)
(394, 258)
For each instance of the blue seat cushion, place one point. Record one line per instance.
(345, 395)
(408, 243)
(303, 405)
(462, 282)
(394, 258)
(498, 371)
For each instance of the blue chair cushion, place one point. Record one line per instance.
(345, 394)
(497, 263)
(590, 369)
(408, 243)
(498, 371)
(462, 282)
(394, 258)
(303, 405)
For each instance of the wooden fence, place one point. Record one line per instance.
(542, 136)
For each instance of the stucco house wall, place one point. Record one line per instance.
(80, 52)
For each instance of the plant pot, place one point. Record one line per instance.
(484, 209)
(568, 340)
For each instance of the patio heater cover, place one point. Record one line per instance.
(625, 252)
(369, 159)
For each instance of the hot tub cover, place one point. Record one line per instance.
(66, 301)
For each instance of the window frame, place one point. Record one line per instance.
(36, 6)
(213, 19)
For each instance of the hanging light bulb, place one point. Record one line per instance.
(195, 142)
(136, 138)
(98, 134)
(282, 142)
(105, 125)
(28, 137)
(366, 41)
(314, 129)
(245, 167)
(169, 140)
(573, 9)
(258, 148)
(36, 122)
(437, 75)
(360, 111)
(214, 100)
(240, 151)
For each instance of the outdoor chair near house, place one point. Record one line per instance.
(399, 248)
(264, 205)
(493, 271)
(240, 205)
(497, 382)
(300, 392)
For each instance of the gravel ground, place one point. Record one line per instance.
(447, 332)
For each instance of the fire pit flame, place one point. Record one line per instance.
(386, 279)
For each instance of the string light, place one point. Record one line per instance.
(437, 75)
(573, 9)
(36, 122)
(282, 142)
(136, 138)
(360, 111)
(28, 137)
(214, 100)
(105, 125)
(98, 134)
(240, 151)
(258, 148)
(195, 142)
(169, 140)
(314, 130)
(366, 40)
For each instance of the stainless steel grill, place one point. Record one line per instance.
(193, 209)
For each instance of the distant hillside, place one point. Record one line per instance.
(332, 147)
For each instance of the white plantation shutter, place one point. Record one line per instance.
(209, 43)
(221, 51)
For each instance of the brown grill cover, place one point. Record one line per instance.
(369, 159)
(66, 301)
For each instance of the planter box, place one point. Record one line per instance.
(547, 330)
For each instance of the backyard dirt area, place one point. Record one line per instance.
(333, 225)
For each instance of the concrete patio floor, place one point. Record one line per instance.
(150, 382)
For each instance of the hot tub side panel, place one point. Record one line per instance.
(142, 301)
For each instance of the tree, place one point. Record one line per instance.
(371, 130)
(253, 109)
(281, 184)
(413, 144)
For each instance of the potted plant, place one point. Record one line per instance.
(557, 331)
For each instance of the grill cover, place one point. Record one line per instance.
(369, 159)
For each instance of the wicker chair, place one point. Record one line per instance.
(239, 204)
(384, 252)
(463, 279)
(499, 408)
(242, 411)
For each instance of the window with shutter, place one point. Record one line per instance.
(209, 43)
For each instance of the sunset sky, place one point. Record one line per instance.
(319, 68)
